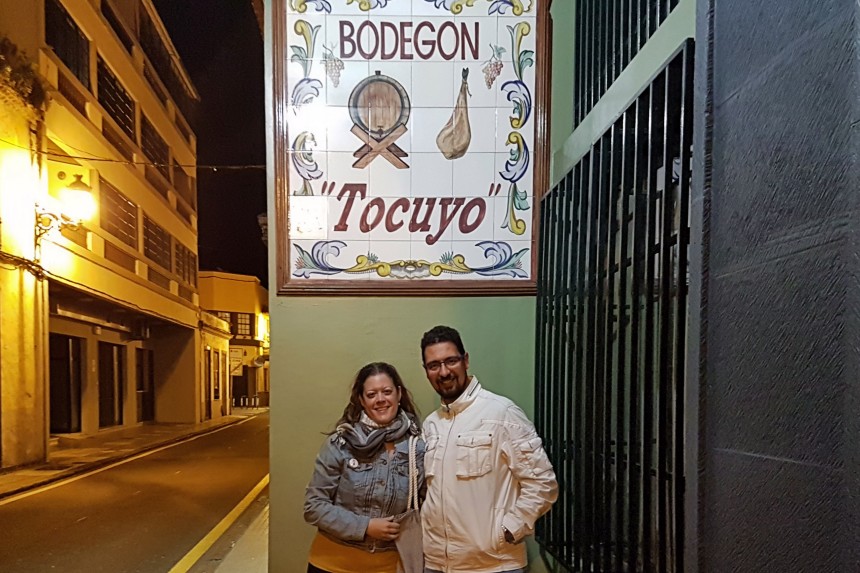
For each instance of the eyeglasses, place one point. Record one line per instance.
(449, 363)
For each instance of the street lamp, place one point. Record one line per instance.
(76, 205)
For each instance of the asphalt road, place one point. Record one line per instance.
(140, 516)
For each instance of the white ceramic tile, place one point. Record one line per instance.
(433, 85)
(473, 174)
(501, 167)
(386, 180)
(304, 120)
(483, 125)
(344, 259)
(432, 175)
(427, 122)
(478, 257)
(394, 224)
(389, 251)
(341, 8)
(318, 157)
(504, 130)
(421, 251)
(529, 9)
(503, 230)
(423, 8)
(393, 8)
(340, 137)
(475, 220)
(341, 171)
(351, 73)
(314, 19)
(349, 257)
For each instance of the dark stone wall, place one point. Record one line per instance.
(776, 365)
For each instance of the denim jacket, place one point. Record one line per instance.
(345, 493)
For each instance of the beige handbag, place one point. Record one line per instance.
(410, 542)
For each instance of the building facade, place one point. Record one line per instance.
(243, 303)
(101, 321)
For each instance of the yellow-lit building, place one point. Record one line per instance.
(100, 327)
(243, 302)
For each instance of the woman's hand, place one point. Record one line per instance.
(383, 528)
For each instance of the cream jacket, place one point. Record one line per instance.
(486, 471)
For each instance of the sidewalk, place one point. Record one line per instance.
(250, 554)
(71, 455)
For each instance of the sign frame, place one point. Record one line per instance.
(287, 285)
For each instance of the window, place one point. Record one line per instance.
(67, 40)
(244, 325)
(223, 315)
(155, 147)
(118, 214)
(156, 243)
(113, 97)
(185, 263)
(157, 53)
(115, 24)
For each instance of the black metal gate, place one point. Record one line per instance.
(612, 308)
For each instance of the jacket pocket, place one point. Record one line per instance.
(356, 479)
(474, 454)
(431, 454)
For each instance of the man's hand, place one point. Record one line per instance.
(509, 537)
(383, 528)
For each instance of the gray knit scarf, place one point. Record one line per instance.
(365, 441)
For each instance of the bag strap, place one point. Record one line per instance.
(412, 500)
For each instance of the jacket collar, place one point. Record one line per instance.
(466, 398)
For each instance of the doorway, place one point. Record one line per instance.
(111, 384)
(145, 385)
(65, 383)
(207, 384)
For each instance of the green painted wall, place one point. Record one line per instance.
(319, 343)
(562, 12)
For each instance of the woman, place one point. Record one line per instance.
(361, 478)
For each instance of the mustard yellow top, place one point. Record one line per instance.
(335, 557)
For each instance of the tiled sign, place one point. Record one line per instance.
(410, 129)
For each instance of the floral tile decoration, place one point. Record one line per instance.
(411, 139)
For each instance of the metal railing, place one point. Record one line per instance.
(609, 33)
(611, 336)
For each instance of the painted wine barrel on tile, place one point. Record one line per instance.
(378, 104)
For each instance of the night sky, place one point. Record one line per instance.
(222, 48)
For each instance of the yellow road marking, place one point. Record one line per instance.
(204, 544)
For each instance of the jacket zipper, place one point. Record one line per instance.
(444, 504)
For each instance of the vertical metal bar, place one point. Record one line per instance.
(553, 316)
(591, 477)
(579, 50)
(681, 315)
(540, 319)
(570, 399)
(636, 470)
(566, 390)
(622, 467)
(558, 321)
(648, 381)
(664, 248)
(611, 439)
(610, 41)
(581, 505)
(600, 347)
(589, 55)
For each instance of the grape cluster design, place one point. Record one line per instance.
(333, 65)
(493, 67)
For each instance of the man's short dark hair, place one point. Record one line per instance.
(439, 334)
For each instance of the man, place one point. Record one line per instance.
(488, 477)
